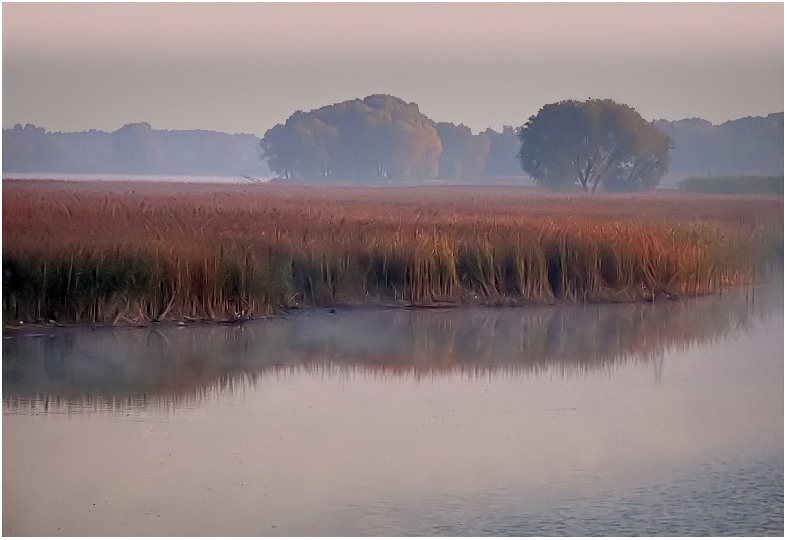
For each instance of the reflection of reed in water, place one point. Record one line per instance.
(168, 366)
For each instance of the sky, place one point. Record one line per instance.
(244, 67)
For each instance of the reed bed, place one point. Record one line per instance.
(134, 253)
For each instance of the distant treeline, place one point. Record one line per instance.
(747, 146)
(739, 185)
(380, 138)
(384, 138)
(132, 149)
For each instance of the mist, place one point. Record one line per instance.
(246, 67)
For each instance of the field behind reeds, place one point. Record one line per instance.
(138, 252)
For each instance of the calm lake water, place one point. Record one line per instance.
(648, 419)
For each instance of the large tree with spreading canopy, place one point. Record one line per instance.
(378, 137)
(592, 143)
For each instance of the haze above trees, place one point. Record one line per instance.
(380, 139)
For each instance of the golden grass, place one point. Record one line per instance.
(138, 252)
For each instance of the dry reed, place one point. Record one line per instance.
(135, 253)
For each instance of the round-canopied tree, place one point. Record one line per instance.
(592, 143)
(378, 137)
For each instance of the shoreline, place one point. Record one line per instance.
(501, 303)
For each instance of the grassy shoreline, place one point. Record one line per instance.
(131, 253)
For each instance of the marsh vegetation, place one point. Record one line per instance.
(136, 253)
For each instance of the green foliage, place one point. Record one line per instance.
(740, 185)
(592, 143)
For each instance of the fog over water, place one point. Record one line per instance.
(173, 362)
(660, 418)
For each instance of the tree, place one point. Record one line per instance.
(378, 137)
(137, 148)
(464, 154)
(503, 150)
(592, 143)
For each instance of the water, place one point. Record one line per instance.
(650, 419)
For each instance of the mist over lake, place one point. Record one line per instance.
(605, 419)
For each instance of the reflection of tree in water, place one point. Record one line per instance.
(167, 365)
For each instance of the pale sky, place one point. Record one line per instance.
(242, 68)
